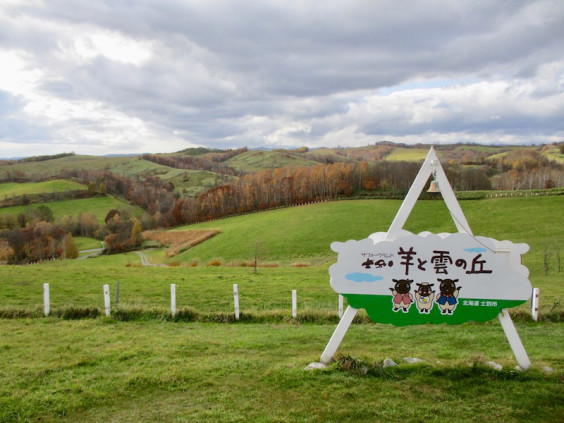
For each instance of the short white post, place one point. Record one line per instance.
(46, 305)
(340, 306)
(173, 299)
(236, 300)
(107, 299)
(535, 304)
(294, 303)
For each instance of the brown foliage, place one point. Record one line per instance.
(178, 241)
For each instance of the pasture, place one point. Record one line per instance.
(8, 189)
(99, 206)
(153, 367)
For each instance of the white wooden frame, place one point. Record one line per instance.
(431, 166)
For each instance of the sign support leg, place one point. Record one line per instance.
(338, 335)
(514, 340)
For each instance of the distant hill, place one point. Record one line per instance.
(201, 183)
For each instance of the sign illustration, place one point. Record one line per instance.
(406, 279)
(427, 278)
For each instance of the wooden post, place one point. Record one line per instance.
(340, 306)
(173, 299)
(236, 300)
(107, 299)
(294, 303)
(46, 305)
(535, 304)
(117, 293)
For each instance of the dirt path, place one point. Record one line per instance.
(143, 257)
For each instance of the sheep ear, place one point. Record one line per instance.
(418, 284)
(409, 280)
(440, 280)
(395, 280)
(455, 280)
(432, 284)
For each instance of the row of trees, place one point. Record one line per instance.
(286, 186)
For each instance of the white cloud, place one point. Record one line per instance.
(165, 74)
(113, 46)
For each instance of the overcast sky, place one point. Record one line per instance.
(124, 76)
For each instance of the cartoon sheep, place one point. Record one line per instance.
(401, 297)
(424, 297)
(447, 297)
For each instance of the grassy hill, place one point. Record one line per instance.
(255, 160)
(155, 369)
(303, 234)
(192, 181)
(99, 206)
(27, 188)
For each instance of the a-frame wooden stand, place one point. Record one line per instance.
(431, 166)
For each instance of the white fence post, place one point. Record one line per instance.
(46, 305)
(173, 299)
(236, 300)
(340, 306)
(294, 303)
(535, 304)
(107, 299)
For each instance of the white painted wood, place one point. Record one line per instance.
(430, 165)
(236, 300)
(107, 299)
(341, 306)
(535, 304)
(514, 340)
(294, 303)
(46, 300)
(338, 335)
(173, 299)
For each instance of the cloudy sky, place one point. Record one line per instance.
(132, 76)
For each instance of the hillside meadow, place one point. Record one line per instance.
(99, 206)
(292, 246)
(8, 189)
(142, 365)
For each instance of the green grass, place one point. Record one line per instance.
(407, 154)
(100, 370)
(154, 369)
(99, 206)
(253, 161)
(56, 185)
(83, 243)
(192, 180)
(305, 233)
(285, 236)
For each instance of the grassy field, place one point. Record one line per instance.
(99, 206)
(407, 154)
(285, 237)
(252, 161)
(56, 185)
(304, 234)
(192, 180)
(154, 369)
(100, 370)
